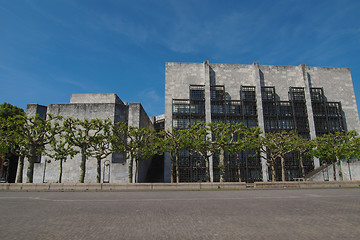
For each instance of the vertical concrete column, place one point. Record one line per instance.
(304, 78)
(208, 110)
(259, 108)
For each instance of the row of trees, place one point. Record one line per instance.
(62, 138)
(208, 140)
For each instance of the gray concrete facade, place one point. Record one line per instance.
(336, 84)
(91, 106)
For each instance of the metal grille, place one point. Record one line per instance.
(328, 116)
(197, 92)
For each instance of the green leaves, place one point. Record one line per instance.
(338, 145)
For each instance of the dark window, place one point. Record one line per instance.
(250, 110)
(319, 109)
(197, 108)
(286, 124)
(248, 93)
(180, 123)
(285, 109)
(218, 109)
(234, 110)
(297, 94)
(268, 93)
(333, 109)
(269, 109)
(217, 93)
(270, 124)
(197, 92)
(251, 123)
(317, 94)
(334, 125)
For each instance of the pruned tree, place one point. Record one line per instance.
(175, 141)
(222, 138)
(59, 147)
(245, 140)
(337, 146)
(137, 143)
(276, 145)
(101, 145)
(304, 147)
(30, 135)
(81, 133)
(8, 140)
(199, 138)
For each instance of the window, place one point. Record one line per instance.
(250, 110)
(197, 108)
(217, 109)
(181, 108)
(300, 109)
(269, 109)
(285, 109)
(286, 124)
(319, 109)
(248, 93)
(234, 110)
(297, 94)
(251, 123)
(270, 124)
(197, 92)
(333, 109)
(180, 123)
(316, 94)
(268, 93)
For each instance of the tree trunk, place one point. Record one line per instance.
(221, 164)
(98, 169)
(172, 168)
(82, 165)
(136, 171)
(302, 166)
(20, 170)
(282, 169)
(273, 173)
(334, 169)
(207, 166)
(130, 169)
(177, 168)
(61, 170)
(238, 166)
(339, 169)
(30, 169)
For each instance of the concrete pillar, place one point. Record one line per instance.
(208, 110)
(259, 108)
(307, 85)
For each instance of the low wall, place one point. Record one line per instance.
(172, 186)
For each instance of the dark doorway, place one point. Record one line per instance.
(8, 169)
(156, 170)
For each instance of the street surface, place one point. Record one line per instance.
(249, 214)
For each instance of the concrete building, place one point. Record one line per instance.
(311, 100)
(90, 106)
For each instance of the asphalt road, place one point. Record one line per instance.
(250, 214)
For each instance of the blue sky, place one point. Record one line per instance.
(51, 49)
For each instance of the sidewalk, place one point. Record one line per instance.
(80, 187)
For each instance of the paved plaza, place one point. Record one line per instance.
(248, 214)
